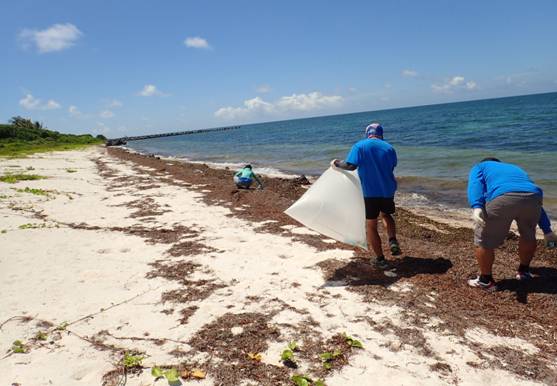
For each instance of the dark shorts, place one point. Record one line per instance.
(374, 205)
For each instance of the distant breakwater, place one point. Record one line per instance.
(124, 140)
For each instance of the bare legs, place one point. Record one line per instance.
(526, 250)
(486, 256)
(373, 238)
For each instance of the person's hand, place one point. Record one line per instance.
(478, 216)
(550, 239)
(333, 164)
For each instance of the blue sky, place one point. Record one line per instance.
(126, 67)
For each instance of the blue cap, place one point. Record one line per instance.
(374, 129)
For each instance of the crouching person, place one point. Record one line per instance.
(244, 178)
(498, 194)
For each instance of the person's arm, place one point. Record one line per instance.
(476, 188)
(544, 223)
(343, 165)
(351, 162)
(259, 183)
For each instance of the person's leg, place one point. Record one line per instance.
(390, 225)
(528, 213)
(387, 209)
(526, 250)
(373, 238)
(485, 258)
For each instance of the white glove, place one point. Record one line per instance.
(550, 239)
(333, 164)
(478, 216)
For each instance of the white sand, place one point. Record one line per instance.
(62, 274)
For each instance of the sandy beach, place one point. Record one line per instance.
(123, 253)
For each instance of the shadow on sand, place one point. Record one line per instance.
(544, 282)
(360, 272)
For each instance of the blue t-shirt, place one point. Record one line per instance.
(376, 161)
(490, 179)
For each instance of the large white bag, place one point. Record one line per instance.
(334, 207)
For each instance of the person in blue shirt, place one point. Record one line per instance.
(499, 193)
(375, 160)
(244, 177)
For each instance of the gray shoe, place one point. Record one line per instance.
(380, 263)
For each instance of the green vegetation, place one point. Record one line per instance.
(62, 326)
(22, 136)
(41, 335)
(171, 375)
(18, 347)
(31, 226)
(353, 342)
(71, 170)
(132, 360)
(288, 357)
(36, 192)
(13, 178)
(328, 357)
(304, 380)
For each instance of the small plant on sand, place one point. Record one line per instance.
(41, 335)
(71, 170)
(171, 375)
(3, 231)
(36, 192)
(13, 178)
(3, 196)
(18, 347)
(304, 380)
(353, 342)
(131, 360)
(62, 326)
(31, 226)
(287, 357)
(29, 168)
(328, 357)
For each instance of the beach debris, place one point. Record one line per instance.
(41, 335)
(255, 356)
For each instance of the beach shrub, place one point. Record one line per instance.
(22, 136)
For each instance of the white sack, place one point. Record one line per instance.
(334, 207)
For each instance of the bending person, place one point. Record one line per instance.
(500, 193)
(375, 160)
(245, 176)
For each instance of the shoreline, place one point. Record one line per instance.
(170, 260)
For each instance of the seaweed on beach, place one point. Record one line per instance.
(437, 261)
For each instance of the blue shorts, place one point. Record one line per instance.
(242, 181)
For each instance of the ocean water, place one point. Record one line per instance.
(436, 145)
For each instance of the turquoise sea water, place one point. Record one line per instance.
(436, 145)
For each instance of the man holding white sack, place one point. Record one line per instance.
(375, 160)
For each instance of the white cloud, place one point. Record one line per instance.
(409, 73)
(115, 104)
(151, 90)
(57, 37)
(196, 42)
(29, 102)
(455, 83)
(471, 85)
(263, 89)
(74, 111)
(292, 103)
(106, 114)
